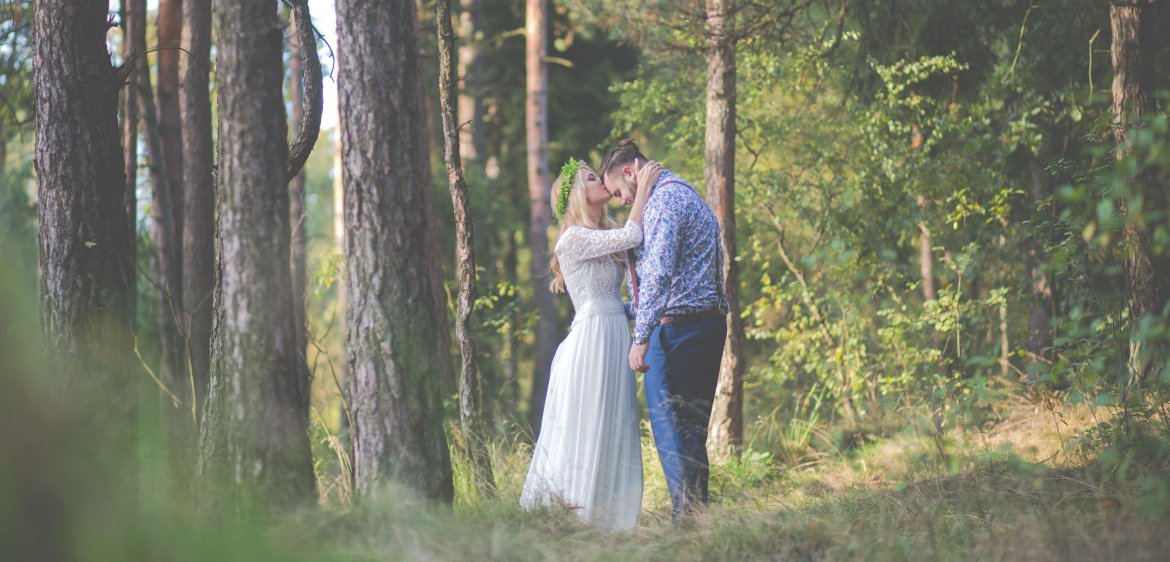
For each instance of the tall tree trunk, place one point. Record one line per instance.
(341, 305)
(167, 247)
(470, 411)
(133, 29)
(198, 256)
(255, 440)
(726, 427)
(1147, 274)
(512, 367)
(1004, 341)
(296, 192)
(396, 357)
(925, 256)
(86, 269)
(540, 218)
(1041, 309)
(470, 123)
(170, 211)
(307, 107)
(4, 143)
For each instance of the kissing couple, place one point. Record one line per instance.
(588, 456)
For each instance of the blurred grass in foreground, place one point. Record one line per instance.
(1024, 488)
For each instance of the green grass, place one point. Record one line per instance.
(1018, 489)
(891, 499)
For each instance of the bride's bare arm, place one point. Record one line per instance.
(647, 175)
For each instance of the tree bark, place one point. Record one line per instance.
(255, 440)
(726, 425)
(86, 269)
(167, 247)
(512, 367)
(396, 354)
(339, 251)
(170, 207)
(307, 95)
(1147, 274)
(1041, 310)
(198, 198)
(540, 217)
(470, 412)
(296, 189)
(133, 29)
(926, 257)
(470, 123)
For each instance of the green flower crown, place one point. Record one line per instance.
(565, 181)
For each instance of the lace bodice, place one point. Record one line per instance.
(586, 259)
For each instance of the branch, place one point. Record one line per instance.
(124, 70)
(311, 103)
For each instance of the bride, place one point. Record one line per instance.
(589, 456)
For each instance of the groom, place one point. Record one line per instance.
(676, 282)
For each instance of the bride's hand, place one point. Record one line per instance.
(647, 175)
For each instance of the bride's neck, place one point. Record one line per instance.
(597, 212)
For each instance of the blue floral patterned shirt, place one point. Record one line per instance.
(680, 260)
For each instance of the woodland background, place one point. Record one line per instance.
(226, 336)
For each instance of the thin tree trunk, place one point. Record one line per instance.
(170, 206)
(470, 413)
(396, 356)
(1147, 275)
(339, 251)
(470, 123)
(4, 146)
(512, 367)
(1041, 310)
(133, 29)
(925, 257)
(86, 269)
(540, 218)
(198, 198)
(307, 107)
(167, 243)
(307, 96)
(1004, 342)
(726, 424)
(296, 192)
(255, 440)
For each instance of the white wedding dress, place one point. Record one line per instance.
(589, 456)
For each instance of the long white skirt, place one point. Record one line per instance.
(588, 456)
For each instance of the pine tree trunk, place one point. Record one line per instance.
(470, 412)
(86, 268)
(341, 305)
(255, 442)
(296, 191)
(1041, 310)
(395, 346)
(726, 426)
(539, 184)
(512, 367)
(1147, 274)
(133, 29)
(470, 123)
(198, 197)
(170, 206)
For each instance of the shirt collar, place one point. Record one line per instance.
(666, 176)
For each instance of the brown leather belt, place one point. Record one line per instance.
(688, 318)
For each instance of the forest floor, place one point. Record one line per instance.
(1025, 487)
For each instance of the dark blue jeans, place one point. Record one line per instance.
(680, 388)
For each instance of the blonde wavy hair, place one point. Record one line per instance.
(576, 214)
